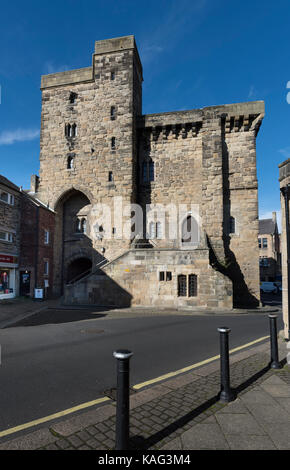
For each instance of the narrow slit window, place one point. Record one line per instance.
(161, 276)
(113, 143)
(232, 225)
(113, 113)
(110, 176)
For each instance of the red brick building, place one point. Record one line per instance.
(36, 247)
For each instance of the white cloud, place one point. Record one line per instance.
(50, 67)
(251, 92)
(285, 152)
(18, 135)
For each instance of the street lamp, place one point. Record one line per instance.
(285, 190)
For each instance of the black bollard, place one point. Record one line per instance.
(122, 416)
(226, 394)
(274, 364)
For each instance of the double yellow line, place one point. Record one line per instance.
(89, 404)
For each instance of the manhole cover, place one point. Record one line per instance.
(92, 331)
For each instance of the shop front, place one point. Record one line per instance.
(8, 279)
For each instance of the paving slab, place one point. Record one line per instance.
(232, 423)
(242, 442)
(235, 406)
(204, 437)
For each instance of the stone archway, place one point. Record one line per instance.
(72, 210)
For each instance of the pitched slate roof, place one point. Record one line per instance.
(8, 183)
(267, 226)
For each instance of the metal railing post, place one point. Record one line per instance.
(226, 394)
(122, 415)
(274, 364)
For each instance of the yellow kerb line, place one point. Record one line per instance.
(194, 366)
(88, 404)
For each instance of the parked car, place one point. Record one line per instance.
(269, 287)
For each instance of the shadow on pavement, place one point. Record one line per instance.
(140, 443)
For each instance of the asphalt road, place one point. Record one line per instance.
(47, 368)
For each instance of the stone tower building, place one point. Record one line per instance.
(98, 149)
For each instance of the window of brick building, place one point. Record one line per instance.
(46, 268)
(46, 237)
(6, 237)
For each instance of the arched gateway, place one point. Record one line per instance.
(73, 254)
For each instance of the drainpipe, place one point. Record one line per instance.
(285, 190)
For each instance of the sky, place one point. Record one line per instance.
(195, 53)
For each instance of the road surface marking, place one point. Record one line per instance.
(194, 366)
(88, 404)
(54, 416)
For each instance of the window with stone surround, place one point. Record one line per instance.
(110, 176)
(192, 285)
(148, 171)
(113, 113)
(72, 97)
(264, 243)
(187, 285)
(113, 75)
(113, 143)
(71, 130)
(232, 225)
(7, 197)
(70, 163)
(181, 285)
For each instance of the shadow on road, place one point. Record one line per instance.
(55, 316)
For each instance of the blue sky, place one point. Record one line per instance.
(195, 53)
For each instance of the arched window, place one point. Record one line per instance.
(190, 231)
(71, 130)
(70, 163)
(148, 171)
(74, 130)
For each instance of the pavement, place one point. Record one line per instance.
(183, 412)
